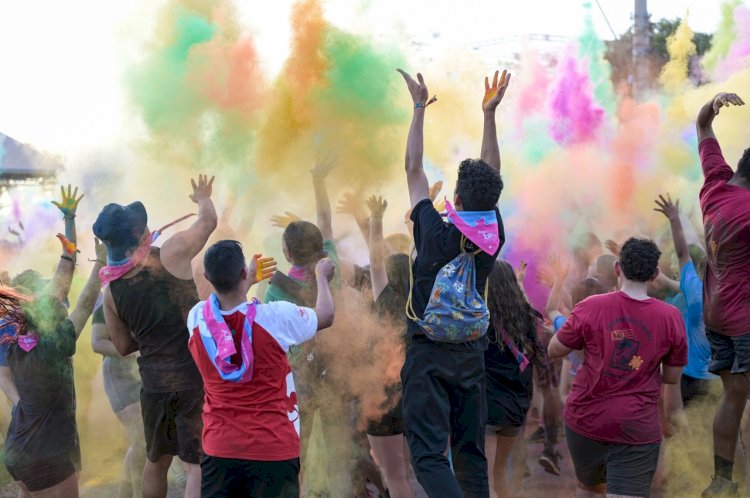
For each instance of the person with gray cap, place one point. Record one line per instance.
(149, 292)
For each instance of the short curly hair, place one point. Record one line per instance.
(639, 259)
(478, 185)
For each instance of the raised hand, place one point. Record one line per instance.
(521, 272)
(261, 268)
(101, 251)
(494, 94)
(203, 189)
(726, 100)
(668, 208)
(417, 89)
(559, 269)
(69, 204)
(326, 268)
(351, 204)
(435, 189)
(67, 246)
(323, 167)
(377, 206)
(545, 277)
(613, 247)
(284, 220)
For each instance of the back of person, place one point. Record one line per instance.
(155, 305)
(726, 217)
(615, 394)
(437, 243)
(43, 424)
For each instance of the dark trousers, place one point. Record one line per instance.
(230, 478)
(444, 400)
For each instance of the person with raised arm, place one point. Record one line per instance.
(632, 344)
(251, 420)
(148, 296)
(444, 381)
(696, 379)
(725, 203)
(41, 450)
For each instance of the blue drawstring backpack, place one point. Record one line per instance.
(455, 312)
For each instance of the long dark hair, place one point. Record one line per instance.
(11, 308)
(509, 309)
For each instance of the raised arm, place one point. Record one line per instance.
(178, 251)
(493, 95)
(63, 277)
(416, 179)
(86, 301)
(704, 123)
(672, 211)
(322, 202)
(351, 204)
(378, 273)
(324, 308)
(559, 274)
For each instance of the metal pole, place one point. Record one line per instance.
(641, 46)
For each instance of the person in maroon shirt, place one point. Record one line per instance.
(632, 344)
(725, 202)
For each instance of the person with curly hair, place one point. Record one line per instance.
(632, 344)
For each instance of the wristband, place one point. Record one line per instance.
(67, 258)
(421, 105)
(68, 218)
(103, 263)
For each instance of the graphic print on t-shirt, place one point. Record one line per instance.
(625, 358)
(292, 406)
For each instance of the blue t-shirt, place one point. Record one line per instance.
(575, 357)
(699, 350)
(5, 329)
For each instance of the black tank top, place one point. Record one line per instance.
(155, 304)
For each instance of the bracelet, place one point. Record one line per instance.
(103, 263)
(421, 105)
(68, 218)
(68, 258)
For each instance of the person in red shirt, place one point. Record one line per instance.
(632, 344)
(250, 415)
(725, 202)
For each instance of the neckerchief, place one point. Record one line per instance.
(480, 227)
(219, 344)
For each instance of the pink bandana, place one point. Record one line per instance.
(28, 342)
(480, 227)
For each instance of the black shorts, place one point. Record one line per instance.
(696, 390)
(390, 423)
(45, 473)
(626, 469)
(230, 477)
(729, 353)
(172, 424)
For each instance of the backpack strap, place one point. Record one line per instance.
(410, 314)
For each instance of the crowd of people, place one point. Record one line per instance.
(232, 386)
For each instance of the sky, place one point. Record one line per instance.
(63, 63)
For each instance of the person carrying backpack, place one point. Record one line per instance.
(443, 375)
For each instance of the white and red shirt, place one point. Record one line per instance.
(257, 420)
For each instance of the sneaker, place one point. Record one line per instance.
(721, 487)
(549, 461)
(537, 436)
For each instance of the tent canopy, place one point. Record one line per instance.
(22, 162)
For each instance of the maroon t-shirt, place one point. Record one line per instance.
(726, 218)
(615, 394)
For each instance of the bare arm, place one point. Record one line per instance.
(178, 251)
(87, 300)
(378, 274)
(324, 308)
(556, 349)
(704, 122)
(100, 341)
(8, 386)
(63, 277)
(672, 211)
(351, 205)
(322, 202)
(670, 375)
(493, 95)
(416, 179)
(559, 275)
(118, 330)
